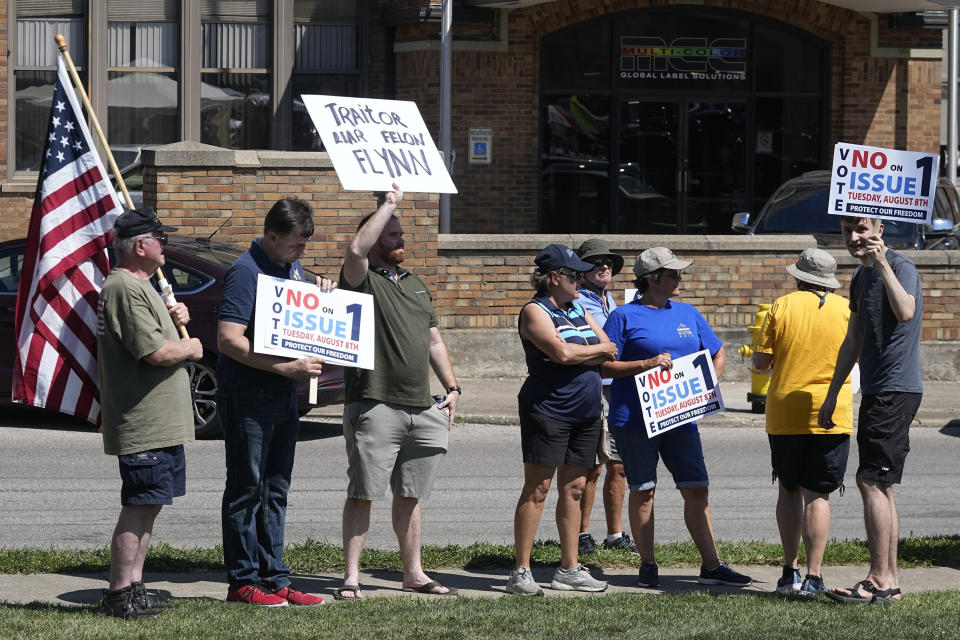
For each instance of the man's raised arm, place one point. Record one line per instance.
(355, 266)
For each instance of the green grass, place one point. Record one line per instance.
(929, 615)
(312, 556)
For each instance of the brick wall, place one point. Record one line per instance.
(888, 102)
(15, 208)
(197, 188)
(484, 280)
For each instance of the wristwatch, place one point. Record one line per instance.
(456, 388)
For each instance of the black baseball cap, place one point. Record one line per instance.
(557, 256)
(136, 222)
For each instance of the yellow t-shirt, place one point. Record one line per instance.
(804, 339)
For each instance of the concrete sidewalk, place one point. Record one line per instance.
(85, 590)
(494, 401)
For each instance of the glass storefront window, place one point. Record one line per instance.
(779, 49)
(789, 138)
(235, 89)
(142, 91)
(36, 70)
(713, 109)
(235, 110)
(326, 60)
(576, 58)
(575, 181)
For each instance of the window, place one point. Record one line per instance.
(325, 60)
(147, 53)
(35, 73)
(183, 279)
(671, 119)
(235, 96)
(142, 91)
(11, 264)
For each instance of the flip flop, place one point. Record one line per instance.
(852, 598)
(886, 596)
(428, 589)
(349, 588)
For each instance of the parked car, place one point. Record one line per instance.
(799, 205)
(194, 268)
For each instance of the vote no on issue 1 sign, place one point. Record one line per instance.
(871, 182)
(374, 143)
(673, 397)
(296, 319)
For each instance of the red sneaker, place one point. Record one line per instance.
(253, 594)
(298, 598)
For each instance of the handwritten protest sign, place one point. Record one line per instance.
(871, 182)
(295, 319)
(673, 397)
(374, 143)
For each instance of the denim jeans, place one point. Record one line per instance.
(260, 428)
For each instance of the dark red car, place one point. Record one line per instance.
(194, 268)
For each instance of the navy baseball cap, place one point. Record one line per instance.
(136, 222)
(557, 256)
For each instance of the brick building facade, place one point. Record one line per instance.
(879, 92)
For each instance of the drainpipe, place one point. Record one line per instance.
(952, 101)
(446, 22)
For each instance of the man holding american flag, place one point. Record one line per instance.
(61, 315)
(145, 392)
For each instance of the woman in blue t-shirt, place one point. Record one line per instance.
(649, 332)
(559, 406)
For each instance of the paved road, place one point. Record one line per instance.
(57, 488)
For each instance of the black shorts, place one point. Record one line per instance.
(816, 462)
(552, 442)
(883, 434)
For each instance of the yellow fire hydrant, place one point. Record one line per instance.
(759, 380)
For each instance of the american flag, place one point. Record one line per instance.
(64, 267)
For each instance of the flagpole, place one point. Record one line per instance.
(165, 288)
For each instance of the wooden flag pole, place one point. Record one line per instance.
(165, 289)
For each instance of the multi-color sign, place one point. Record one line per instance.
(873, 182)
(686, 58)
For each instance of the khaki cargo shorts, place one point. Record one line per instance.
(393, 443)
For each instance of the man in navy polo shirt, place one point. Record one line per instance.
(257, 402)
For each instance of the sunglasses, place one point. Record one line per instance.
(160, 237)
(599, 264)
(573, 275)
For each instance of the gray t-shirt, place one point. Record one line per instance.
(889, 350)
(143, 407)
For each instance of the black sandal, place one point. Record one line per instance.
(852, 598)
(348, 588)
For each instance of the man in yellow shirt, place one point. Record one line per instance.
(799, 340)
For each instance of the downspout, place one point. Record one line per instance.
(952, 100)
(445, 144)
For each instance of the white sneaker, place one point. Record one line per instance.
(576, 579)
(521, 583)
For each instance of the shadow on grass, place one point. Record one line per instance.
(941, 551)
(313, 557)
(46, 607)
